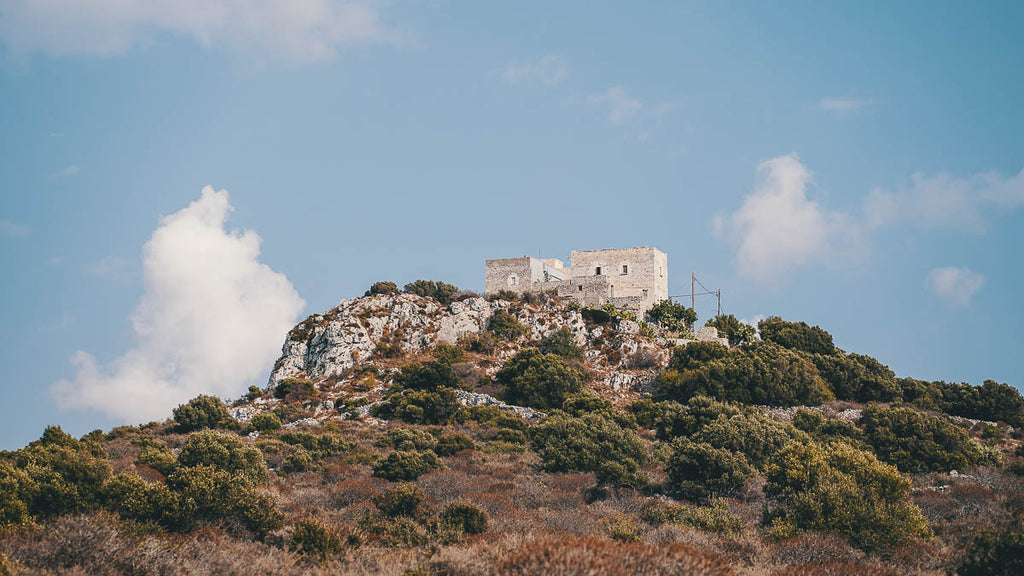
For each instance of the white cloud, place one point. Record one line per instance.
(8, 228)
(621, 106)
(844, 105)
(211, 320)
(946, 202)
(300, 29)
(778, 228)
(955, 286)
(549, 70)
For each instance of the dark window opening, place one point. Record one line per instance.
(598, 273)
(581, 287)
(625, 269)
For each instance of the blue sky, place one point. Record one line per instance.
(855, 166)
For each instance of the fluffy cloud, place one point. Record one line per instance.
(955, 286)
(302, 29)
(778, 228)
(549, 70)
(211, 320)
(621, 106)
(946, 202)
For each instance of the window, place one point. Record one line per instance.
(625, 269)
(580, 287)
(513, 280)
(598, 272)
(645, 293)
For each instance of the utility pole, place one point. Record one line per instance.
(693, 280)
(719, 302)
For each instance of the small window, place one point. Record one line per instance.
(598, 272)
(513, 280)
(625, 269)
(580, 287)
(645, 293)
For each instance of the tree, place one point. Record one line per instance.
(591, 443)
(561, 342)
(697, 470)
(506, 326)
(382, 288)
(730, 327)
(532, 378)
(796, 335)
(224, 452)
(440, 291)
(202, 412)
(672, 316)
(917, 442)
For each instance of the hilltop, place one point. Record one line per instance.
(433, 431)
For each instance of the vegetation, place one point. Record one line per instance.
(917, 442)
(543, 381)
(506, 326)
(796, 336)
(561, 343)
(730, 327)
(440, 291)
(383, 288)
(672, 316)
(202, 412)
(592, 443)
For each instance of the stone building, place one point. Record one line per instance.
(633, 278)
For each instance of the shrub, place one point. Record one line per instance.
(990, 401)
(224, 452)
(294, 390)
(730, 327)
(64, 474)
(620, 527)
(796, 336)
(763, 373)
(300, 460)
(591, 443)
(695, 354)
(449, 354)
(439, 406)
(918, 442)
(697, 470)
(532, 378)
(202, 412)
(994, 553)
(471, 518)
(133, 498)
(751, 434)
(837, 488)
(319, 445)
(382, 288)
(506, 326)
(715, 517)
(562, 343)
(672, 316)
(595, 316)
(17, 491)
(451, 444)
(158, 458)
(266, 422)
(407, 438)
(402, 500)
(210, 494)
(857, 377)
(311, 537)
(253, 393)
(427, 376)
(406, 465)
(440, 291)
(567, 555)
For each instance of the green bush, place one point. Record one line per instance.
(857, 377)
(300, 460)
(796, 336)
(202, 412)
(131, 497)
(439, 406)
(837, 488)
(311, 537)
(715, 517)
(506, 326)
(620, 527)
(917, 442)
(471, 518)
(294, 390)
(990, 401)
(672, 316)
(595, 316)
(532, 378)
(407, 438)
(440, 291)
(695, 354)
(763, 373)
(158, 458)
(671, 419)
(406, 465)
(994, 553)
(562, 343)
(751, 434)
(451, 444)
(65, 474)
(210, 494)
(591, 443)
(266, 422)
(697, 470)
(318, 445)
(730, 327)
(224, 452)
(403, 500)
(382, 288)
(427, 376)
(253, 393)
(449, 354)
(17, 492)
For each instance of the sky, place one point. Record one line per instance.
(182, 180)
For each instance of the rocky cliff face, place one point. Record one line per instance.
(373, 328)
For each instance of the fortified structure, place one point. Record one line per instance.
(634, 278)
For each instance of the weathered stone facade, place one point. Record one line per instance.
(633, 278)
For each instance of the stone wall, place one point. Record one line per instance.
(524, 274)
